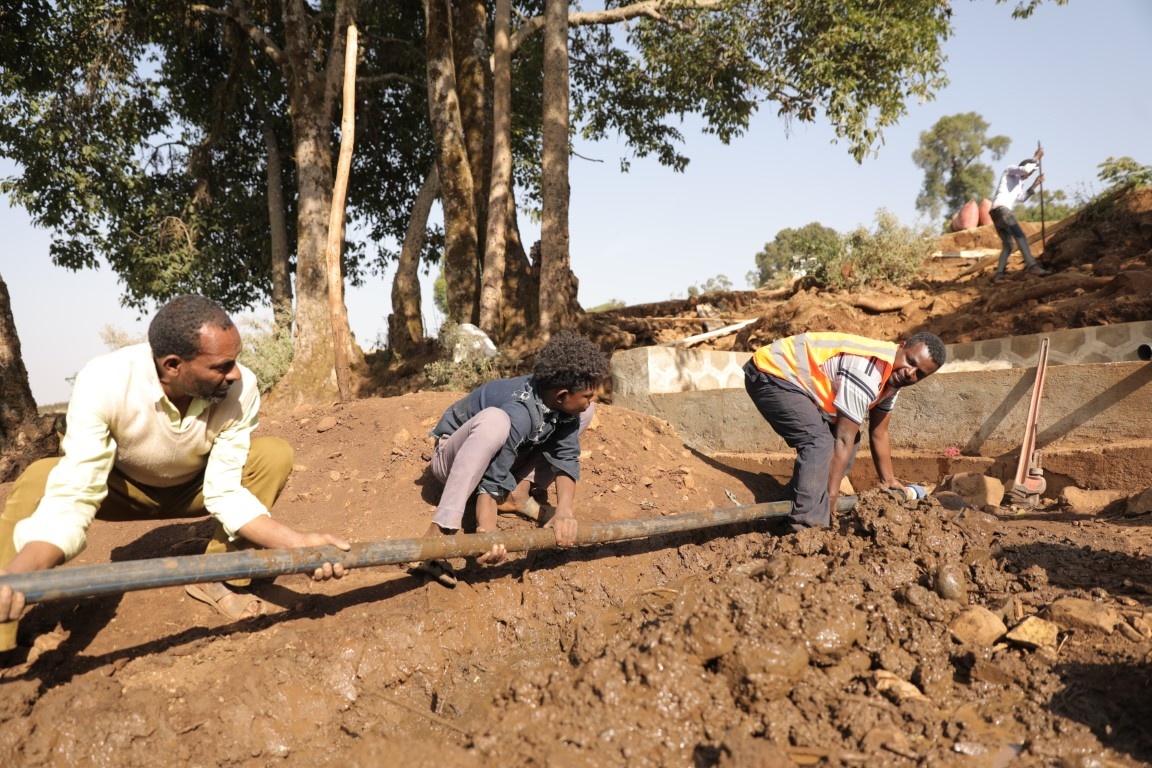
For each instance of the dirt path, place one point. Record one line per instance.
(733, 648)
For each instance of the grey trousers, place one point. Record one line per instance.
(794, 417)
(461, 459)
(1009, 229)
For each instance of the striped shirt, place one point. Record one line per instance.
(857, 382)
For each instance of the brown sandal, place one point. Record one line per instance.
(437, 570)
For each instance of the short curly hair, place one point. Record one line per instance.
(175, 330)
(936, 349)
(569, 361)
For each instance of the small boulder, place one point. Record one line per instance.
(1106, 266)
(976, 489)
(978, 626)
(471, 343)
(1140, 503)
(1034, 632)
(1087, 502)
(1085, 614)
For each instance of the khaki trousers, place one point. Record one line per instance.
(265, 474)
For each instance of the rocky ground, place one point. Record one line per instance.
(912, 633)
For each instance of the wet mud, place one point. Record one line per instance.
(908, 634)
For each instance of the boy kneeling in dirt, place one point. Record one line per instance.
(510, 435)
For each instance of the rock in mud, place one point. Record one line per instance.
(976, 625)
(1034, 632)
(951, 584)
(1084, 614)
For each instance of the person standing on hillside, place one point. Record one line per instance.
(815, 390)
(512, 434)
(1010, 192)
(157, 431)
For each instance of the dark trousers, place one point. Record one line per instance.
(1009, 230)
(795, 417)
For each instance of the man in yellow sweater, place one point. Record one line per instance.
(815, 390)
(157, 431)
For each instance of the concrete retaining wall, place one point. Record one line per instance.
(982, 413)
(637, 373)
(1095, 421)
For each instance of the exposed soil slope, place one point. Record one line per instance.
(1102, 258)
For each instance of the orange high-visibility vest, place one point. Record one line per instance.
(797, 360)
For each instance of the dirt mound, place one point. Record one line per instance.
(724, 647)
(1102, 255)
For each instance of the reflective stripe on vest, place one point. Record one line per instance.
(798, 360)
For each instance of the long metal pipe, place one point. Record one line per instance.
(133, 575)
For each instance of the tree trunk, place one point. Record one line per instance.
(334, 247)
(457, 186)
(25, 435)
(278, 229)
(558, 307)
(312, 94)
(473, 85)
(492, 278)
(406, 324)
(519, 315)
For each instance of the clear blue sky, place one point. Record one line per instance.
(1072, 77)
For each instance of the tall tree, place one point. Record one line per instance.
(558, 306)
(949, 154)
(796, 250)
(500, 192)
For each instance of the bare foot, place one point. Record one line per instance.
(528, 508)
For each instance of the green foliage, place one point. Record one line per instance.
(1057, 205)
(794, 251)
(711, 285)
(440, 293)
(858, 62)
(267, 348)
(470, 371)
(144, 132)
(1117, 172)
(891, 254)
(949, 154)
(1024, 8)
(607, 306)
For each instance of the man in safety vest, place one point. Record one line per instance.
(815, 390)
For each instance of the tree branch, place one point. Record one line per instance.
(648, 8)
(239, 14)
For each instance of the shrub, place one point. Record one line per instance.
(267, 349)
(891, 254)
(472, 369)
